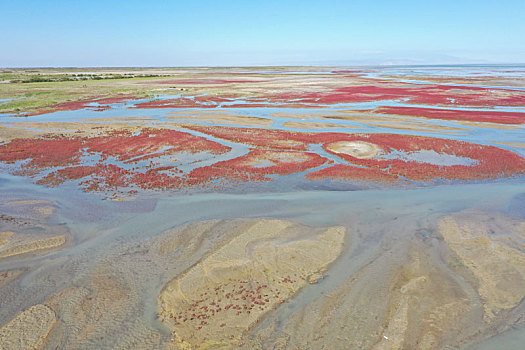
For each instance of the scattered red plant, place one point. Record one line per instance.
(352, 173)
(245, 168)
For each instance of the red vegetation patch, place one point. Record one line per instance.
(107, 177)
(451, 114)
(71, 173)
(352, 173)
(110, 177)
(264, 138)
(61, 151)
(125, 146)
(352, 94)
(414, 93)
(48, 152)
(433, 95)
(488, 162)
(274, 139)
(53, 152)
(257, 165)
(201, 81)
(101, 162)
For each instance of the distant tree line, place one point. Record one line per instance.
(38, 78)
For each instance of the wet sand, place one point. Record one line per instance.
(412, 269)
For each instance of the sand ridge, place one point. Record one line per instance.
(29, 329)
(4, 237)
(27, 246)
(497, 264)
(228, 292)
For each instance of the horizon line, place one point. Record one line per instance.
(282, 65)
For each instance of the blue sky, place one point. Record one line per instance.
(215, 33)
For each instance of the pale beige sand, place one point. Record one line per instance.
(369, 118)
(297, 115)
(35, 208)
(316, 125)
(281, 143)
(17, 248)
(78, 129)
(45, 210)
(474, 80)
(408, 291)
(27, 202)
(487, 125)
(512, 144)
(220, 118)
(228, 292)
(9, 133)
(498, 266)
(4, 237)
(358, 149)
(398, 122)
(29, 329)
(116, 119)
(418, 127)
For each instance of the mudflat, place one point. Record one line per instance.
(257, 208)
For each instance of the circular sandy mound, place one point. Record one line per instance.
(358, 149)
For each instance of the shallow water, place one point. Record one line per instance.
(510, 340)
(373, 218)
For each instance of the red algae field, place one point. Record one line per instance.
(257, 208)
